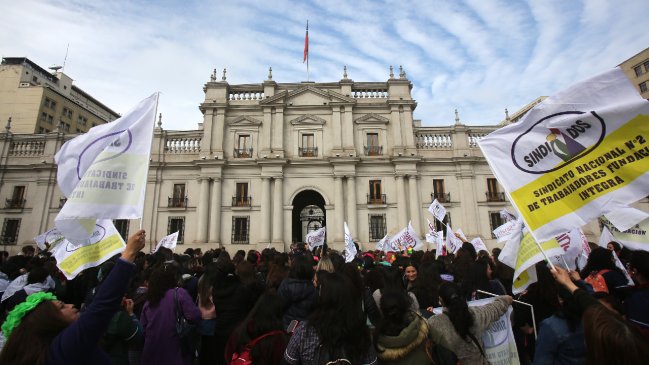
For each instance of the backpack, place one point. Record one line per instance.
(596, 280)
(245, 357)
(323, 356)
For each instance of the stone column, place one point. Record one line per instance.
(208, 127)
(415, 203)
(401, 202)
(351, 204)
(266, 130)
(339, 235)
(335, 126)
(215, 212)
(278, 131)
(395, 121)
(348, 129)
(264, 236)
(278, 214)
(217, 130)
(202, 210)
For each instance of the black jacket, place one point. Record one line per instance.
(300, 298)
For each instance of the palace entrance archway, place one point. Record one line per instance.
(308, 214)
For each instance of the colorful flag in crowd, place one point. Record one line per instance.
(104, 243)
(169, 242)
(634, 238)
(316, 238)
(575, 156)
(521, 252)
(103, 172)
(437, 210)
(350, 249)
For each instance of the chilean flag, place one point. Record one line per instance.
(306, 44)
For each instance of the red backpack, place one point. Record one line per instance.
(245, 357)
(596, 280)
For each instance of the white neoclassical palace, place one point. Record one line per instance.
(272, 161)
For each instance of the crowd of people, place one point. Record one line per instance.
(304, 307)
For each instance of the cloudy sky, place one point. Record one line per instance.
(477, 56)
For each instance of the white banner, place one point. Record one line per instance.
(316, 238)
(634, 238)
(169, 242)
(479, 245)
(458, 232)
(626, 218)
(499, 343)
(103, 172)
(453, 244)
(503, 232)
(404, 239)
(350, 249)
(437, 210)
(104, 243)
(507, 216)
(575, 156)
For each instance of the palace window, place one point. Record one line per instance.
(643, 87)
(373, 148)
(122, 227)
(377, 226)
(244, 146)
(308, 148)
(67, 112)
(240, 229)
(375, 196)
(638, 70)
(493, 195)
(439, 193)
(241, 198)
(495, 221)
(178, 199)
(10, 229)
(177, 224)
(17, 200)
(441, 226)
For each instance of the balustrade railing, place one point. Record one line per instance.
(428, 140)
(370, 93)
(27, 148)
(246, 95)
(373, 150)
(441, 197)
(241, 201)
(307, 151)
(177, 202)
(376, 199)
(183, 144)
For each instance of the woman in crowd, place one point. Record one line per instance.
(637, 302)
(402, 336)
(297, 290)
(426, 289)
(460, 328)
(44, 330)
(164, 300)
(263, 328)
(335, 330)
(479, 278)
(392, 280)
(600, 271)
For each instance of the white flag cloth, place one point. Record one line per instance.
(437, 210)
(498, 339)
(507, 216)
(479, 245)
(634, 238)
(104, 243)
(453, 244)
(432, 236)
(103, 172)
(461, 234)
(503, 232)
(626, 218)
(405, 238)
(316, 238)
(350, 249)
(382, 244)
(46, 240)
(521, 253)
(572, 244)
(169, 242)
(575, 156)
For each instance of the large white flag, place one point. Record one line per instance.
(437, 210)
(433, 236)
(350, 249)
(316, 238)
(103, 172)
(626, 218)
(72, 258)
(169, 242)
(453, 244)
(406, 238)
(634, 238)
(575, 156)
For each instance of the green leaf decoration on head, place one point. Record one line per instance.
(17, 314)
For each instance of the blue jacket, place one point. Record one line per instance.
(556, 344)
(78, 343)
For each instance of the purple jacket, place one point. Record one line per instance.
(161, 342)
(78, 343)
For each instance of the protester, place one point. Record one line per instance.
(636, 304)
(44, 330)
(460, 327)
(297, 290)
(600, 271)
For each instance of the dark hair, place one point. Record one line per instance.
(264, 317)
(162, 279)
(37, 275)
(610, 301)
(640, 262)
(30, 341)
(477, 278)
(458, 310)
(392, 280)
(338, 318)
(395, 306)
(599, 259)
(610, 340)
(426, 288)
(301, 268)
(616, 246)
(246, 273)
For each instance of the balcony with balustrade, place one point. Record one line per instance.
(177, 202)
(15, 203)
(242, 153)
(379, 199)
(495, 196)
(242, 201)
(307, 151)
(373, 150)
(441, 197)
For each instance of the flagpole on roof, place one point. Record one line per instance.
(306, 50)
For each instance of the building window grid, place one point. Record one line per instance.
(240, 229)
(308, 148)
(375, 196)
(378, 226)
(122, 226)
(638, 70)
(493, 195)
(643, 87)
(10, 229)
(495, 221)
(439, 192)
(177, 224)
(17, 200)
(646, 66)
(441, 226)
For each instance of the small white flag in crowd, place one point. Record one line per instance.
(316, 238)
(103, 172)
(453, 244)
(503, 232)
(169, 242)
(382, 244)
(479, 245)
(437, 210)
(350, 248)
(459, 233)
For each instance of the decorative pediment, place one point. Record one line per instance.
(245, 120)
(372, 119)
(277, 98)
(312, 96)
(308, 119)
